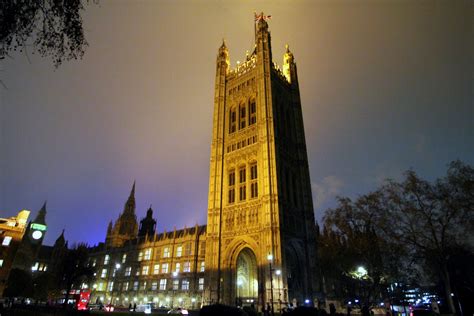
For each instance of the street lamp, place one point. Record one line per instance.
(270, 259)
(278, 273)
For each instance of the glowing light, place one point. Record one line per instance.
(193, 300)
(306, 301)
(117, 266)
(270, 257)
(278, 272)
(167, 299)
(361, 270)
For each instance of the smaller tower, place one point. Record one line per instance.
(126, 226)
(31, 242)
(147, 224)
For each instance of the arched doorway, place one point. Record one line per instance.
(247, 277)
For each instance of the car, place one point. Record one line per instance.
(178, 311)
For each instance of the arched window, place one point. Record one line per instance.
(252, 112)
(253, 180)
(242, 116)
(232, 120)
(231, 196)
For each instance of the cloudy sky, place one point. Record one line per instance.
(385, 86)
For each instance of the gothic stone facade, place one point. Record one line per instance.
(260, 211)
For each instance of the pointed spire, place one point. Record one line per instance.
(60, 241)
(109, 228)
(132, 193)
(130, 204)
(41, 217)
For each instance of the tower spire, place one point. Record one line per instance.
(41, 217)
(130, 204)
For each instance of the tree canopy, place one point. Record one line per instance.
(402, 222)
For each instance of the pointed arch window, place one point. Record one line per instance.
(253, 180)
(252, 112)
(242, 116)
(231, 197)
(232, 120)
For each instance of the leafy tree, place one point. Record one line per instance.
(52, 27)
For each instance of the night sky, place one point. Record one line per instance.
(385, 86)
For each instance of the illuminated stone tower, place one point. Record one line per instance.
(261, 227)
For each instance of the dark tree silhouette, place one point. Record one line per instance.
(426, 222)
(50, 27)
(19, 284)
(75, 269)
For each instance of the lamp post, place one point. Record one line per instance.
(278, 273)
(270, 259)
(117, 267)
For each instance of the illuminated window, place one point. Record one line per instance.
(103, 273)
(35, 267)
(164, 268)
(187, 267)
(179, 251)
(140, 256)
(242, 116)
(6, 241)
(135, 286)
(177, 267)
(242, 192)
(125, 286)
(94, 262)
(100, 287)
(232, 121)
(1, 263)
(124, 258)
(185, 285)
(202, 268)
(156, 269)
(128, 271)
(163, 284)
(106, 259)
(252, 113)
(175, 285)
(148, 254)
(110, 286)
(144, 285)
(154, 285)
(201, 284)
(145, 270)
(166, 252)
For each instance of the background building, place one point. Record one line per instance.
(12, 230)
